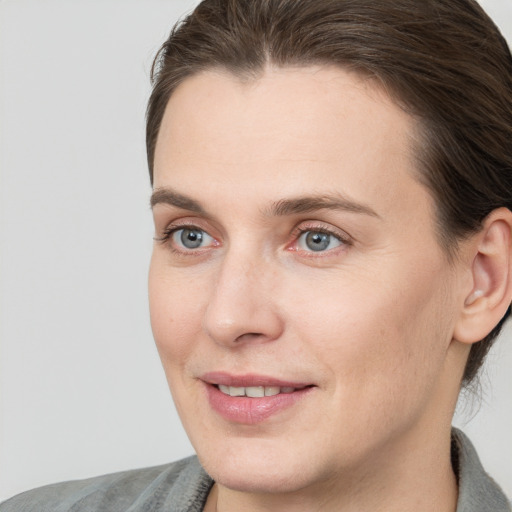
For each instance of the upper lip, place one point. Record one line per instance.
(249, 379)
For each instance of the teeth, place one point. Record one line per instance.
(272, 390)
(254, 391)
(236, 391)
(224, 389)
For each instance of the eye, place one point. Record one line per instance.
(191, 238)
(318, 241)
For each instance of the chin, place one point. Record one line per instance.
(260, 468)
(257, 480)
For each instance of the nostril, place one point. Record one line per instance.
(249, 335)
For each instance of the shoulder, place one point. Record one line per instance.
(180, 486)
(478, 492)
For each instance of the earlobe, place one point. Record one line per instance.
(491, 273)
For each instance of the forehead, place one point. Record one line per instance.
(322, 128)
(284, 105)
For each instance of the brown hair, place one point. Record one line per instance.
(443, 61)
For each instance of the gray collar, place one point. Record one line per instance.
(478, 492)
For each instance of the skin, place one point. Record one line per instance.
(369, 321)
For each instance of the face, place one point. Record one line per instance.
(300, 302)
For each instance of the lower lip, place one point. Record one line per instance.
(249, 411)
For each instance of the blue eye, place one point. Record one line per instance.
(191, 238)
(318, 241)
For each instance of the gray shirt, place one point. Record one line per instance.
(183, 486)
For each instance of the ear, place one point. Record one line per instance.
(490, 259)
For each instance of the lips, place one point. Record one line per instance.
(251, 399)
(255, 391)
(250, 380)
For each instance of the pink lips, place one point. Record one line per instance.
(246, 410)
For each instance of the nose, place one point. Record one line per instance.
(242, 307)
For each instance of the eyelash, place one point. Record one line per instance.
(344, 239)
(297, 233)
(169, 231)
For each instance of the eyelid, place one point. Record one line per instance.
(170, 229)
(166, 226)
(318, 227)
(301, 228)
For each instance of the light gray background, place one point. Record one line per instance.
(82, 390)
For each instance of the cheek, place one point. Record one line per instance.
(381, 333)
(175, 312)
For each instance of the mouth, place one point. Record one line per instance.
(257, 391)
(251, 399)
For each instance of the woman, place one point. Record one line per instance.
(331, 195)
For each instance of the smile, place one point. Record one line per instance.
(256, 391)
(252, 399)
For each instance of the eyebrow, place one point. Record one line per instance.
(283, 207)
(308, 204)
(173, 198)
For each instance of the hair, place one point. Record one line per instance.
(443, 61)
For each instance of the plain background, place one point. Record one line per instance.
(82, 390)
